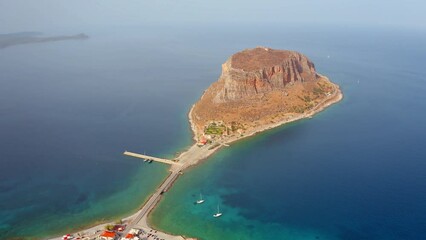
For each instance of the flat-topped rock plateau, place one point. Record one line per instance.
(260, 87)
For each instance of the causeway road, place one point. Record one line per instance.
(152, 201)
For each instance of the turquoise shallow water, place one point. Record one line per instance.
(69, 109)
(89, 211)
(179, 214)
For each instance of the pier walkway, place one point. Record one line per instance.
(143, 156)
(192, 156)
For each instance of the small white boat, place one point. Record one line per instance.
(218, 214)
(201, 200)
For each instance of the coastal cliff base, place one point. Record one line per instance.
(259, 87)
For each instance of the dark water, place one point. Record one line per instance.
(355, 171)
(69, 109)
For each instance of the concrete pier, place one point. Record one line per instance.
(146, 157)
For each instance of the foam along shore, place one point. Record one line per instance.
(194, 155)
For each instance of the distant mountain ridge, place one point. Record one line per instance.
(12, 39)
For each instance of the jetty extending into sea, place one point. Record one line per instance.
(192, 156)
(148, 158)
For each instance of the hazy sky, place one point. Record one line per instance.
(45, 15)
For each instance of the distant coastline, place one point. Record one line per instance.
(12, 39)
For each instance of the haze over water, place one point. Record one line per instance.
(69, 109)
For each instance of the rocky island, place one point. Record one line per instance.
(260, 88)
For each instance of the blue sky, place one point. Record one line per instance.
(45, 15)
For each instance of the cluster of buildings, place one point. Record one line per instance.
(116, 234)
(134, 234)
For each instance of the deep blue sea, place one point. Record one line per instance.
(69, 109)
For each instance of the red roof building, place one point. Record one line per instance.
(107, 235)
(129, 236)
(203, 141)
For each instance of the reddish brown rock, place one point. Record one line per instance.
(261, 70)
(257, 87)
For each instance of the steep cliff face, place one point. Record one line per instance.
(261, 70)
(257, 87)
